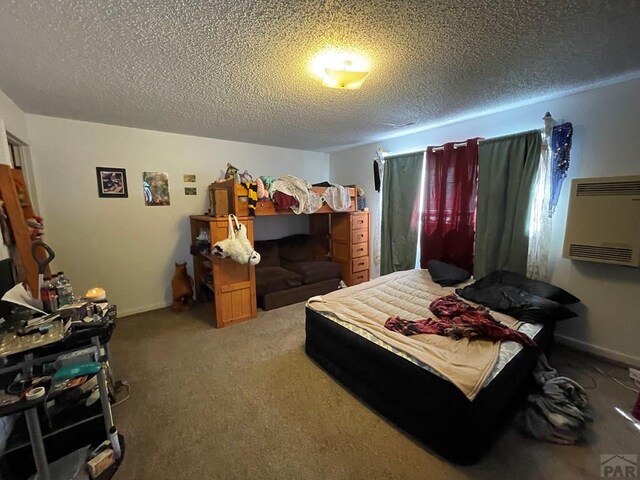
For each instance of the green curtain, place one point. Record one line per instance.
(506, 169)
(400, 212)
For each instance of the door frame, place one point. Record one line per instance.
(24, 152)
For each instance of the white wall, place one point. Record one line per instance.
(121, 244)
(14, 118)
(606, 142)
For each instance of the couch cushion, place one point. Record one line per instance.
(269, 253)
(274, 279)
(313, 271)
(295, 248)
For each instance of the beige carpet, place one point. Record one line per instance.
(245, 402)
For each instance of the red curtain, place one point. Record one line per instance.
(449, 213)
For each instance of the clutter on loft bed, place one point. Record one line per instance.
(237, 193)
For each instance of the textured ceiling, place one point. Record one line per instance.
(238, 70)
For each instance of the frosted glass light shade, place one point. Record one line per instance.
(340, 69)
(343, 78)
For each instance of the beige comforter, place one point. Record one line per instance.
(466, 364)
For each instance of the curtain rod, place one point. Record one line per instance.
(548, 119)
(435, 149)
(455, 145)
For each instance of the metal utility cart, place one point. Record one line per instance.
(90, 342)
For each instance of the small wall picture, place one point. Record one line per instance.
(112, 182)
(189, 178)
(156, 188)
(190, 191)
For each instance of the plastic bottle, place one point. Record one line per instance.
(44, 294)
(49, 296)
(65, 290)
(53, 295)
(54, 284)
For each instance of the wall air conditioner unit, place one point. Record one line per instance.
(603, 224)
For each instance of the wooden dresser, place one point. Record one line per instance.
(233, 284)
(350, 245)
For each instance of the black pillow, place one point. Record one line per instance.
(535, 287)
(518, 303)
(446, 274)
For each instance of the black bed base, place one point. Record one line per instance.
(425, 406)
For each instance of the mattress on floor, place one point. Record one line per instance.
(508, 350)
(412, 396)
(364, 309)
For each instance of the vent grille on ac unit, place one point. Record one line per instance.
(608, 188)
(601, 253)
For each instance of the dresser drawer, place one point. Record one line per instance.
(359, 264)
(360, 236)
(360, 221)
(360, 277)
(359, 250)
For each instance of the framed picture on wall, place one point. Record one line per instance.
(155, 186)
(112, 182)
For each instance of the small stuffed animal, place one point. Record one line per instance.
(237, 246)
(252, 257)
(232, 172)
(245, 177)
(182, 288)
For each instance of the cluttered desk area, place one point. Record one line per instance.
(57, 386)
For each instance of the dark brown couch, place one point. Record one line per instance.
(287, 272)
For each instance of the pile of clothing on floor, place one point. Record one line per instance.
(559, 412)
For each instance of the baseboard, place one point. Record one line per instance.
(598, 351)
(146, 308)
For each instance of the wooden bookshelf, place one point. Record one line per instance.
(233, 284)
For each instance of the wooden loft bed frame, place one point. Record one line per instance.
(237, 199)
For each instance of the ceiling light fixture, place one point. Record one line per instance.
(339, 69)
